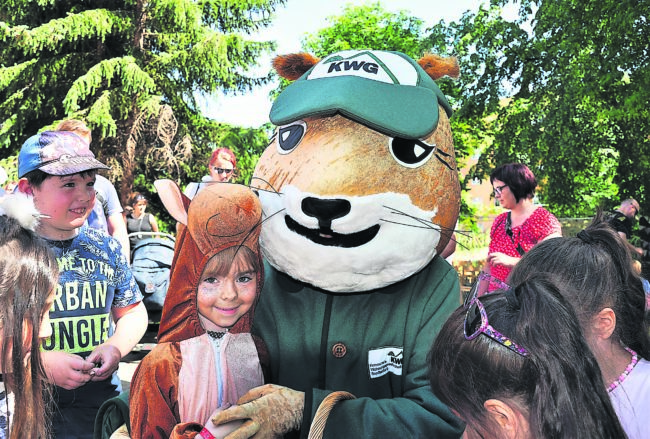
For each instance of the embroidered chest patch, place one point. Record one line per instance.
(384, 360)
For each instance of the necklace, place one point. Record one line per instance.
(626, 372)
(217, 335)
(62, 244)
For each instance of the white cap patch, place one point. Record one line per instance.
(378, 66)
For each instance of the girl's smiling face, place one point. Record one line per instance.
(223, 298)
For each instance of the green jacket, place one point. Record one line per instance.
(373, 345)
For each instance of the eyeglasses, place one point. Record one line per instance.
(484, 283)
(476, 313)
(498, 189)
(223, 171)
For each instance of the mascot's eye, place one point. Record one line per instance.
(289, 136)
(409, 152)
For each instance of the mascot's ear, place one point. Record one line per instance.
(438, 66)
(175, 201)
(294, 65)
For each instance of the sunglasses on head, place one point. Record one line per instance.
(222, 171)
(476, 319)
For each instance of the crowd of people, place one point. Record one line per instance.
(554, 345)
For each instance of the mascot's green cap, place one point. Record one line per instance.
(386, 91)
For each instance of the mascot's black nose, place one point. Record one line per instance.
(325, 210)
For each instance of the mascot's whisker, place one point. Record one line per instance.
(439, 153)
(408, 225)
(268, 217)
(426, 224)
(272, 190)
(250, 232)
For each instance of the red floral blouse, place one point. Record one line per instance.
(537, 226)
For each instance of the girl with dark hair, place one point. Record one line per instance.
(514, 364)
(28, 276)
(607, 294)
(138, 220)
(515, 232)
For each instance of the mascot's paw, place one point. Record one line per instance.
(269, 411)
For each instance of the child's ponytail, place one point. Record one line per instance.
(569, 400)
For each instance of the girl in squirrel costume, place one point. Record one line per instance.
(206, 357)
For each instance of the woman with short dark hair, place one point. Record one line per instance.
(140, 221)
(525, 224)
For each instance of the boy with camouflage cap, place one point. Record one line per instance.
(96, 286)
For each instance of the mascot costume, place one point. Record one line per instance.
(360, 192)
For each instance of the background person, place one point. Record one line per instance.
(515, 365)
(598, 279)
(515, 232)
(222, 168)
(28, 279)
(10, 186)
(139, 220)
(107, 211)
(622, 220)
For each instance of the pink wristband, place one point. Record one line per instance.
(206, 434)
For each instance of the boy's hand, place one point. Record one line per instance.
(66, 370)
(106, 359)
(270, 411)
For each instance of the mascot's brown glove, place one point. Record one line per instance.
(270, 411)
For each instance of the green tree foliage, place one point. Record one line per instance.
(368, 27)
(575, 75)
(133, 70)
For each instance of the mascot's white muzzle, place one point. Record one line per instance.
(311, 237)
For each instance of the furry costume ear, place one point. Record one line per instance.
(21, 207)
(294, 65)
(173, 198)
(439, 66)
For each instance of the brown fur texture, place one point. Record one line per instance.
(438, 66)
(294, 65)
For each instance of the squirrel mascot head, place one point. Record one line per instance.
(359, 182)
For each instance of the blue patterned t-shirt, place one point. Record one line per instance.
(6, 410)
(94, 277)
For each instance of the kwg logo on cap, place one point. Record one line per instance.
(378, 66)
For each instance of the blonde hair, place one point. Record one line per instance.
(75, 126)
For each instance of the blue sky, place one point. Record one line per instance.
(299, 17)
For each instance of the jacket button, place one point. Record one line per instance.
(339, 350)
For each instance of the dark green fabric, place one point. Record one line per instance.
(301, 325)
(111, 415)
